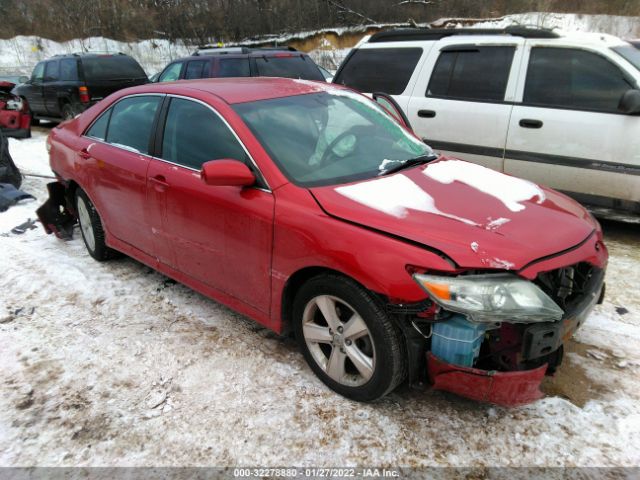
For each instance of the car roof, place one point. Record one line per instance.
(253, 53)
(241, 90)
(409, 36)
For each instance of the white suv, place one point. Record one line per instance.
(559, 109)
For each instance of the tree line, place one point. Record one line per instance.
(203, 21)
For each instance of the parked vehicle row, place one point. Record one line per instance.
(309, 208)
(560, 110)
(65, 85)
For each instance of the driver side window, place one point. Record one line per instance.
(172, 73)
(194, 134)
(38, 73)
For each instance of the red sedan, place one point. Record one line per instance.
(311, 209)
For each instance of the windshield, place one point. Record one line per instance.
(630, 53)
(330, 138)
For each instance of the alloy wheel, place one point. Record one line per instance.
(339, 340)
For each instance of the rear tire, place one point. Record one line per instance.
(68, 112)
(348, 339)
(91, 228)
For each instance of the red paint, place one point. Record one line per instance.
(241, 245)
(227, 173)
(508, 389)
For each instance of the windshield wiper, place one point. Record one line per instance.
(412, 162)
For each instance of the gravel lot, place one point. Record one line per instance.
(114, 365)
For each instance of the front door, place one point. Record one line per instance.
(51, 88)
(462, 101)
(568, 132)
(220, 236)
(32, 90)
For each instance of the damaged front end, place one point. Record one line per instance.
(493, 337)
(57, 214)
(15, 118)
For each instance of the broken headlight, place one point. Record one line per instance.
(491, 298)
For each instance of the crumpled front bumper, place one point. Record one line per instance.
(508, 389)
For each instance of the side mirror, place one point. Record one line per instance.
(227, 173)
(630, 103)
(23, 79)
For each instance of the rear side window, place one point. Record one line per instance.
(194, 134)
(476, 73)
(131, 122)
(197, 69)
(385, 70)
(112, 67)
(572, 78)
(290, 66)
(69, 69)
(99, 128)
(52, 71)
(233, 67)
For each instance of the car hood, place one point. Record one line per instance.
(478, 217)
(6, 87)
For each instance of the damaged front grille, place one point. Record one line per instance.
(568, 286)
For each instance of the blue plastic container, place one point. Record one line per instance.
(457, 341)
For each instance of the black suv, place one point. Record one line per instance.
(242, 62)
(65, 85)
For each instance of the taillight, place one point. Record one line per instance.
(84, 95)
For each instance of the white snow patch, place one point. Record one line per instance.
(30, 156)
(494, 224)
(395, 195)
(509, 190)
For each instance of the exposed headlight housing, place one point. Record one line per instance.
(491, 298)
(15, 104)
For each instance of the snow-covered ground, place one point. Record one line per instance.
(21, 53)
(111, 364)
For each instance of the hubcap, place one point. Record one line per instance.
(339, 340)
(85, 224)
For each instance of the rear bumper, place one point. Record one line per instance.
(17, 132)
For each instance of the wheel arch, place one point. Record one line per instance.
(296, 281)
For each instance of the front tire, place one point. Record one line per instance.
(348, 339)
(68, 112)
(91, 228)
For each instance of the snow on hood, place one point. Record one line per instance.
(479, 218)
(509, 190)
(395, 196)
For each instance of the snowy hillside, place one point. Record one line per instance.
(19, 54)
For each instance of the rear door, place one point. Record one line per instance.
(219, 236)
(117, 156)
(462, 101)
(568, 132)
